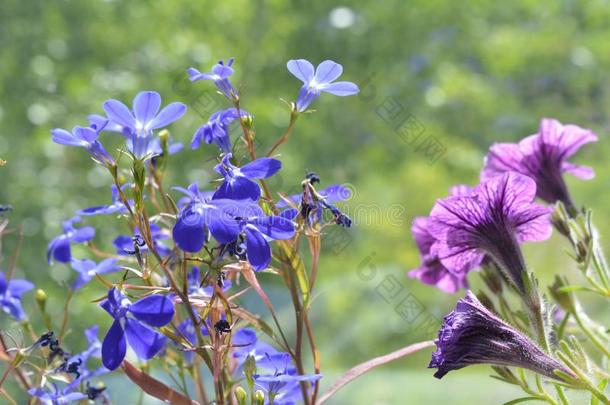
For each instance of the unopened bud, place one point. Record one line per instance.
(41, 299)
(259, 398)
(241, 395)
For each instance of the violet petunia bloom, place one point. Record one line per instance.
(59, 248)
(115, 207)
(132, 324)
(10, 296)
(543, 157)
(138, 125)
(320, 80)
(219, 75)
(493, 220)
(471, 334)
(86, 138)
(217, 129)
(201, 216)
(238, 183)
(87, 269)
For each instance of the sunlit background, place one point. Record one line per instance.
(440, 80)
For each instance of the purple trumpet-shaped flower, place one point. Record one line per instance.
(115, 207)
(493, 220)
(219, 75)
(318, 81)
(238, 184)
(133, 321)
(86, 138)
(543, 157)
(59, 248)
(138, 125)
(471, 334)
(10, 296)
(87, 269)
(200, 216)
(257, 232)
(217, 129)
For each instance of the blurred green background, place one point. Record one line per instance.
(441, 81)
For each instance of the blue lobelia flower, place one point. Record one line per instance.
(217, 129)
(246, 344)
(59, 248)
(138, 125)
(78, 363)
(57, 396)
(219, 75)
(115, 207)
(10, 296)
(238, 184)
(87, 269)
(258, 230)
(126, 245)
(319, 81)
(133, 321)
(84, 137)
(200, 216)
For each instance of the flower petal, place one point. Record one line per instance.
(582, 172)
(189, 232)
(341, 89)
(114, 346)
(276, 227)
(143, 340)
(155, 310)
(259, 251)
(302, 69)
(170, 113)
(328, 71)
(146, 104)
(119, 113)
(261, 168)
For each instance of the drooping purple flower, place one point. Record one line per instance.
(138, 125)
(115, 207)
(238, 184)
(320, 80)
(544, 158)
(86, 138)
(56, 396)
(87, 269)
(217, 129)
(492, 221)
(59, 248)
(132, 324)
(220, 74)
(471, 334)
(10, 296)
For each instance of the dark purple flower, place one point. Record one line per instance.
(84, 137)
(10, 296)
(133, 321)
(219, 75)
(87, 269)
(492, 221)
(318, 81)
(59, 248)
(471, 334)
(238, 184)
(115, 207)
(543, 157)
(217, 129)
(138, 125)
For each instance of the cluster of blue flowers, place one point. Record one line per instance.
(237, 222)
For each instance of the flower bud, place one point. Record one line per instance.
(259, 398)
(241, 395)
(41, 299)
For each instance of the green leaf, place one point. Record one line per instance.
(523, 399)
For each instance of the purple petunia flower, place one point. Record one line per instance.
(133, 321)
(87, 269)
(10, 296)
(543, 157)
(138, 125)
(115, 207)
(86, 138)
(320, 80)
(493, 220)
(59, 248)
(431, 271)
(471, 334)
(217, 129)
(238, 184)
(219, 75)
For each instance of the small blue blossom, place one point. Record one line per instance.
(132, 324)
(115, 207)
(238, 184)
(138, 125)
(10, 296)
(87, 269)
(219, 75)
(319, 81)
(126, 245)
(57, 396)
(258, 231)
(85, 137)
(59, 248)
(312, 204)
(217, 129)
